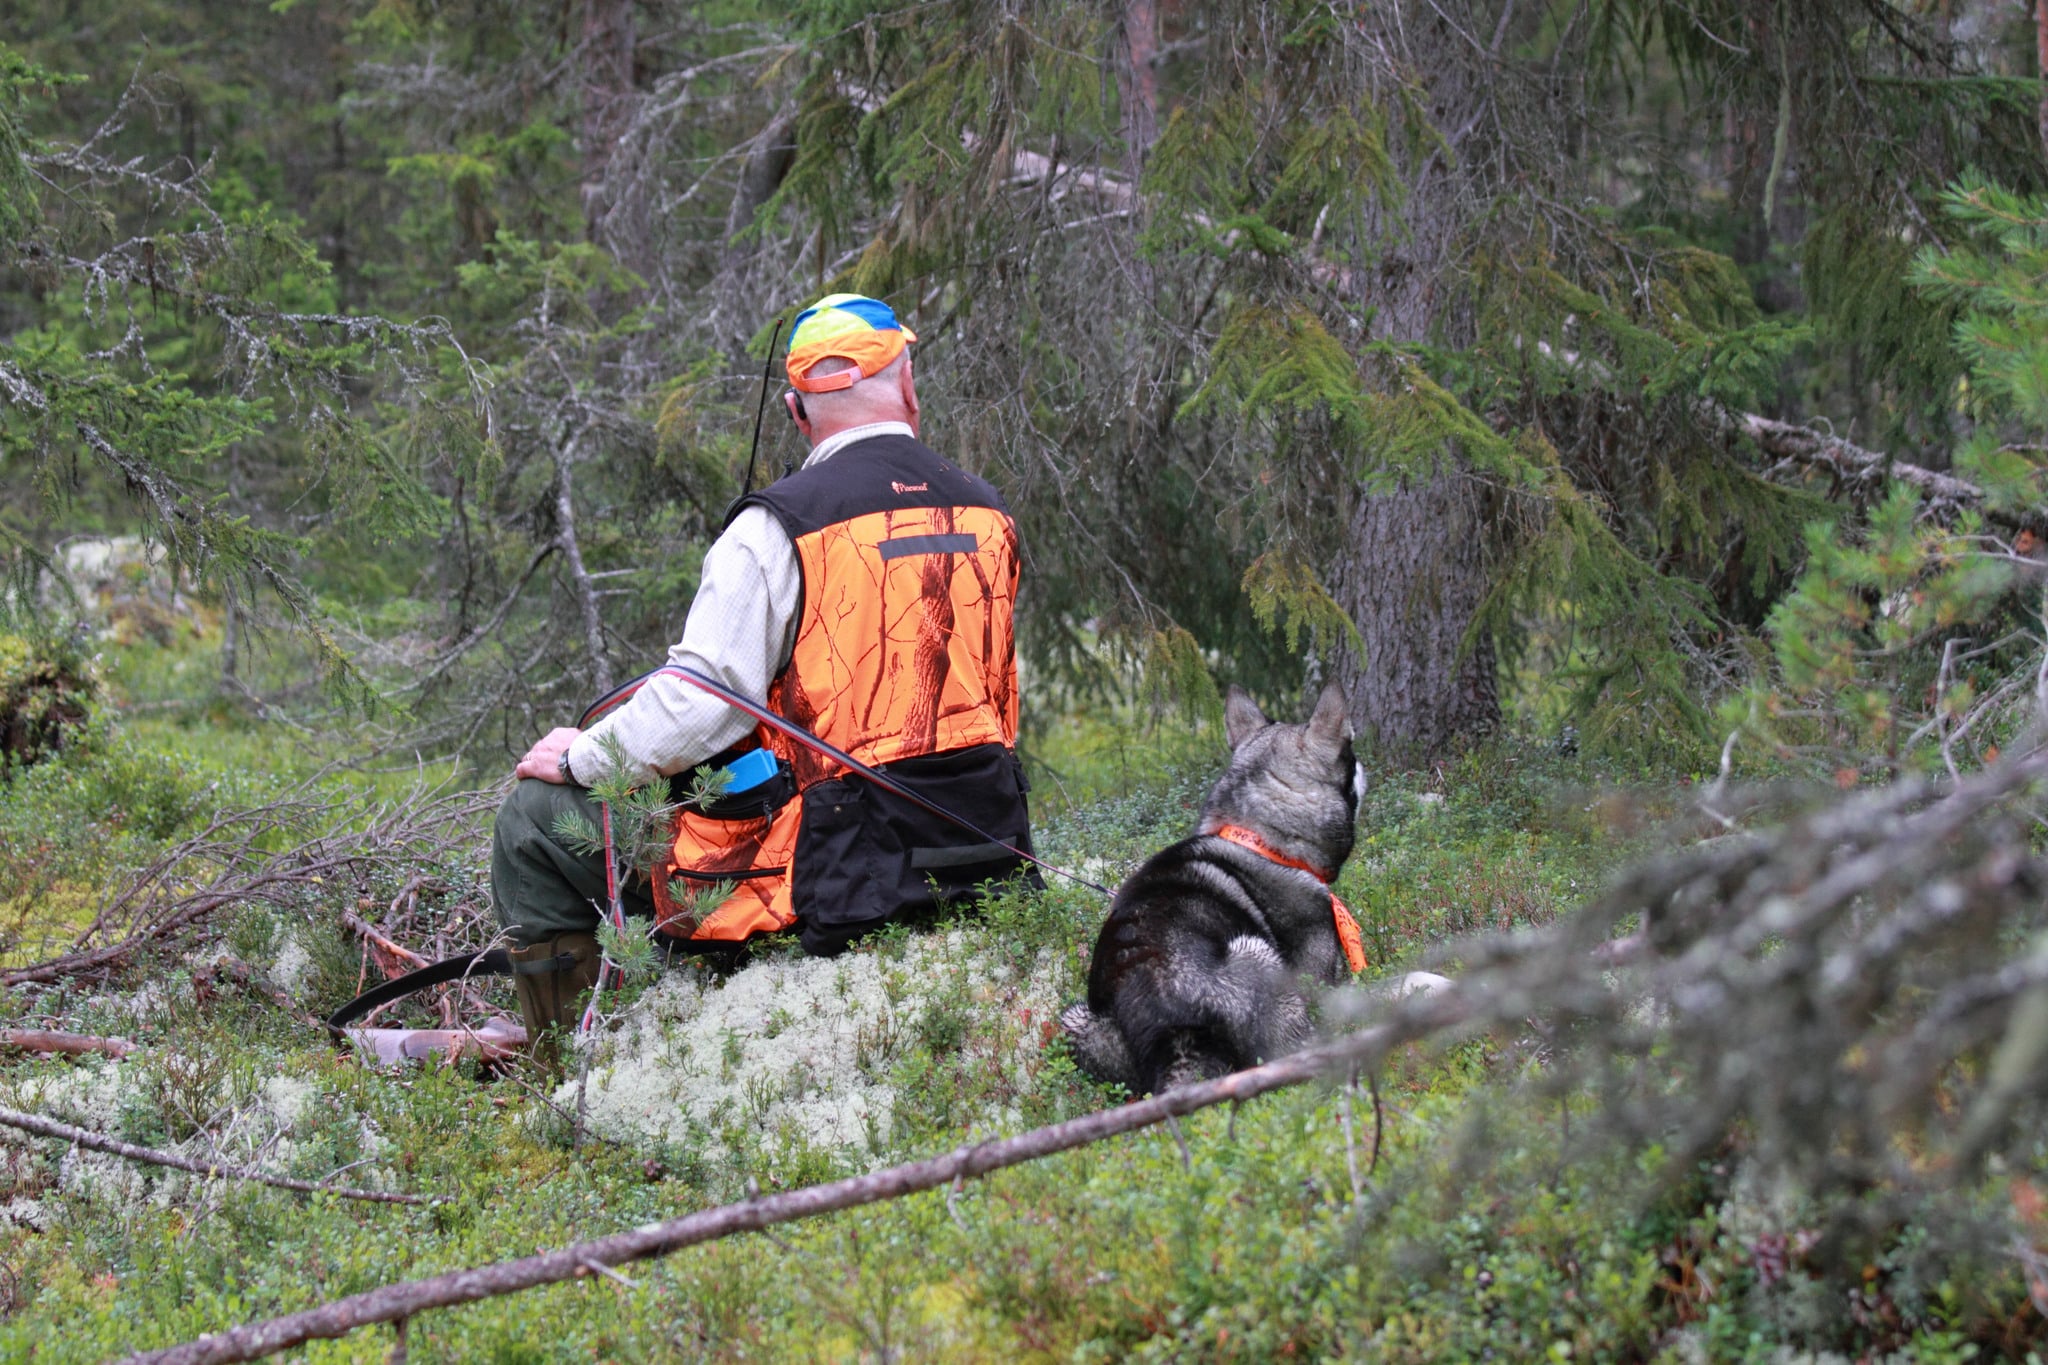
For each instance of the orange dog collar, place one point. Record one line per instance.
(1348, 936)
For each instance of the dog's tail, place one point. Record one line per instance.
(1099, 1046)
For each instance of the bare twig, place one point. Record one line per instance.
(355, 924)
(1853, 464)
(226, 863)
(212, 1170)
(70, 1044)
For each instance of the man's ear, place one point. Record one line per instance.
(908, 387)
(796, 412)
(1241, 716)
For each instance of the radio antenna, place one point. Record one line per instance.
(761, 408)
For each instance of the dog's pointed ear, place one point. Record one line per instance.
(1241, 715)
(1331, 723)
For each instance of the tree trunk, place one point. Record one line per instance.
(1413, 579)
(613, 197)
(2041, 63)
(1138, 82)
(1417, 563)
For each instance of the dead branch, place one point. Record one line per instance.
(191, 911)
(68, 1044)
(99, 1142)
(393, 953)
(1865, 469)
(222, 866)
(1850, 464)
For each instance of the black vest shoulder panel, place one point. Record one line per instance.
(875, 475)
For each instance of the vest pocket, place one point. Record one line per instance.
(749, 848)
(865, 856)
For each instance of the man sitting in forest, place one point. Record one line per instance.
(867, 597)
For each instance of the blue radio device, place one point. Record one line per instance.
(749, 771)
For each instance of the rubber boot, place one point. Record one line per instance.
(550, 978)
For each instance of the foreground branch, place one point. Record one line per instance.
(99, 1142)
(1421, 1018)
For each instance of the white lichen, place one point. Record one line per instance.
(25, 1213)
(803, 1050)
(293, 964)
(288, 1099)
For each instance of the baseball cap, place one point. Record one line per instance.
(850, 326)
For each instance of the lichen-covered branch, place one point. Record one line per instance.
(212, 1170)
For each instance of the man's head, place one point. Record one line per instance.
(849, 364)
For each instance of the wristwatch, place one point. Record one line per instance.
(562, 767)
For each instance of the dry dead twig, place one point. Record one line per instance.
(67, 1044)
(99, 1142)
(225, 864)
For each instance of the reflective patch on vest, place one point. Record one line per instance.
(902, 546)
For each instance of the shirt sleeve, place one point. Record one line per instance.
(740, 631)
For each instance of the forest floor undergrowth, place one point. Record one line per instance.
(1325, 1222)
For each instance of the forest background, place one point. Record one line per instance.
(1638, 405)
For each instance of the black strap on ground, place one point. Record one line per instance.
(489, 962)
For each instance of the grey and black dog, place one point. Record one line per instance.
(1211, 948)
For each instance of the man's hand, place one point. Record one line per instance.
(544, 760)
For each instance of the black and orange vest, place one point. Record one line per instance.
(904, 657)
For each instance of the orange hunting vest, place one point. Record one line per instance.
(904, 657)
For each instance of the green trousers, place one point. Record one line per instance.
(539, 886)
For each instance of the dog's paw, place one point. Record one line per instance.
(1098, 1045)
